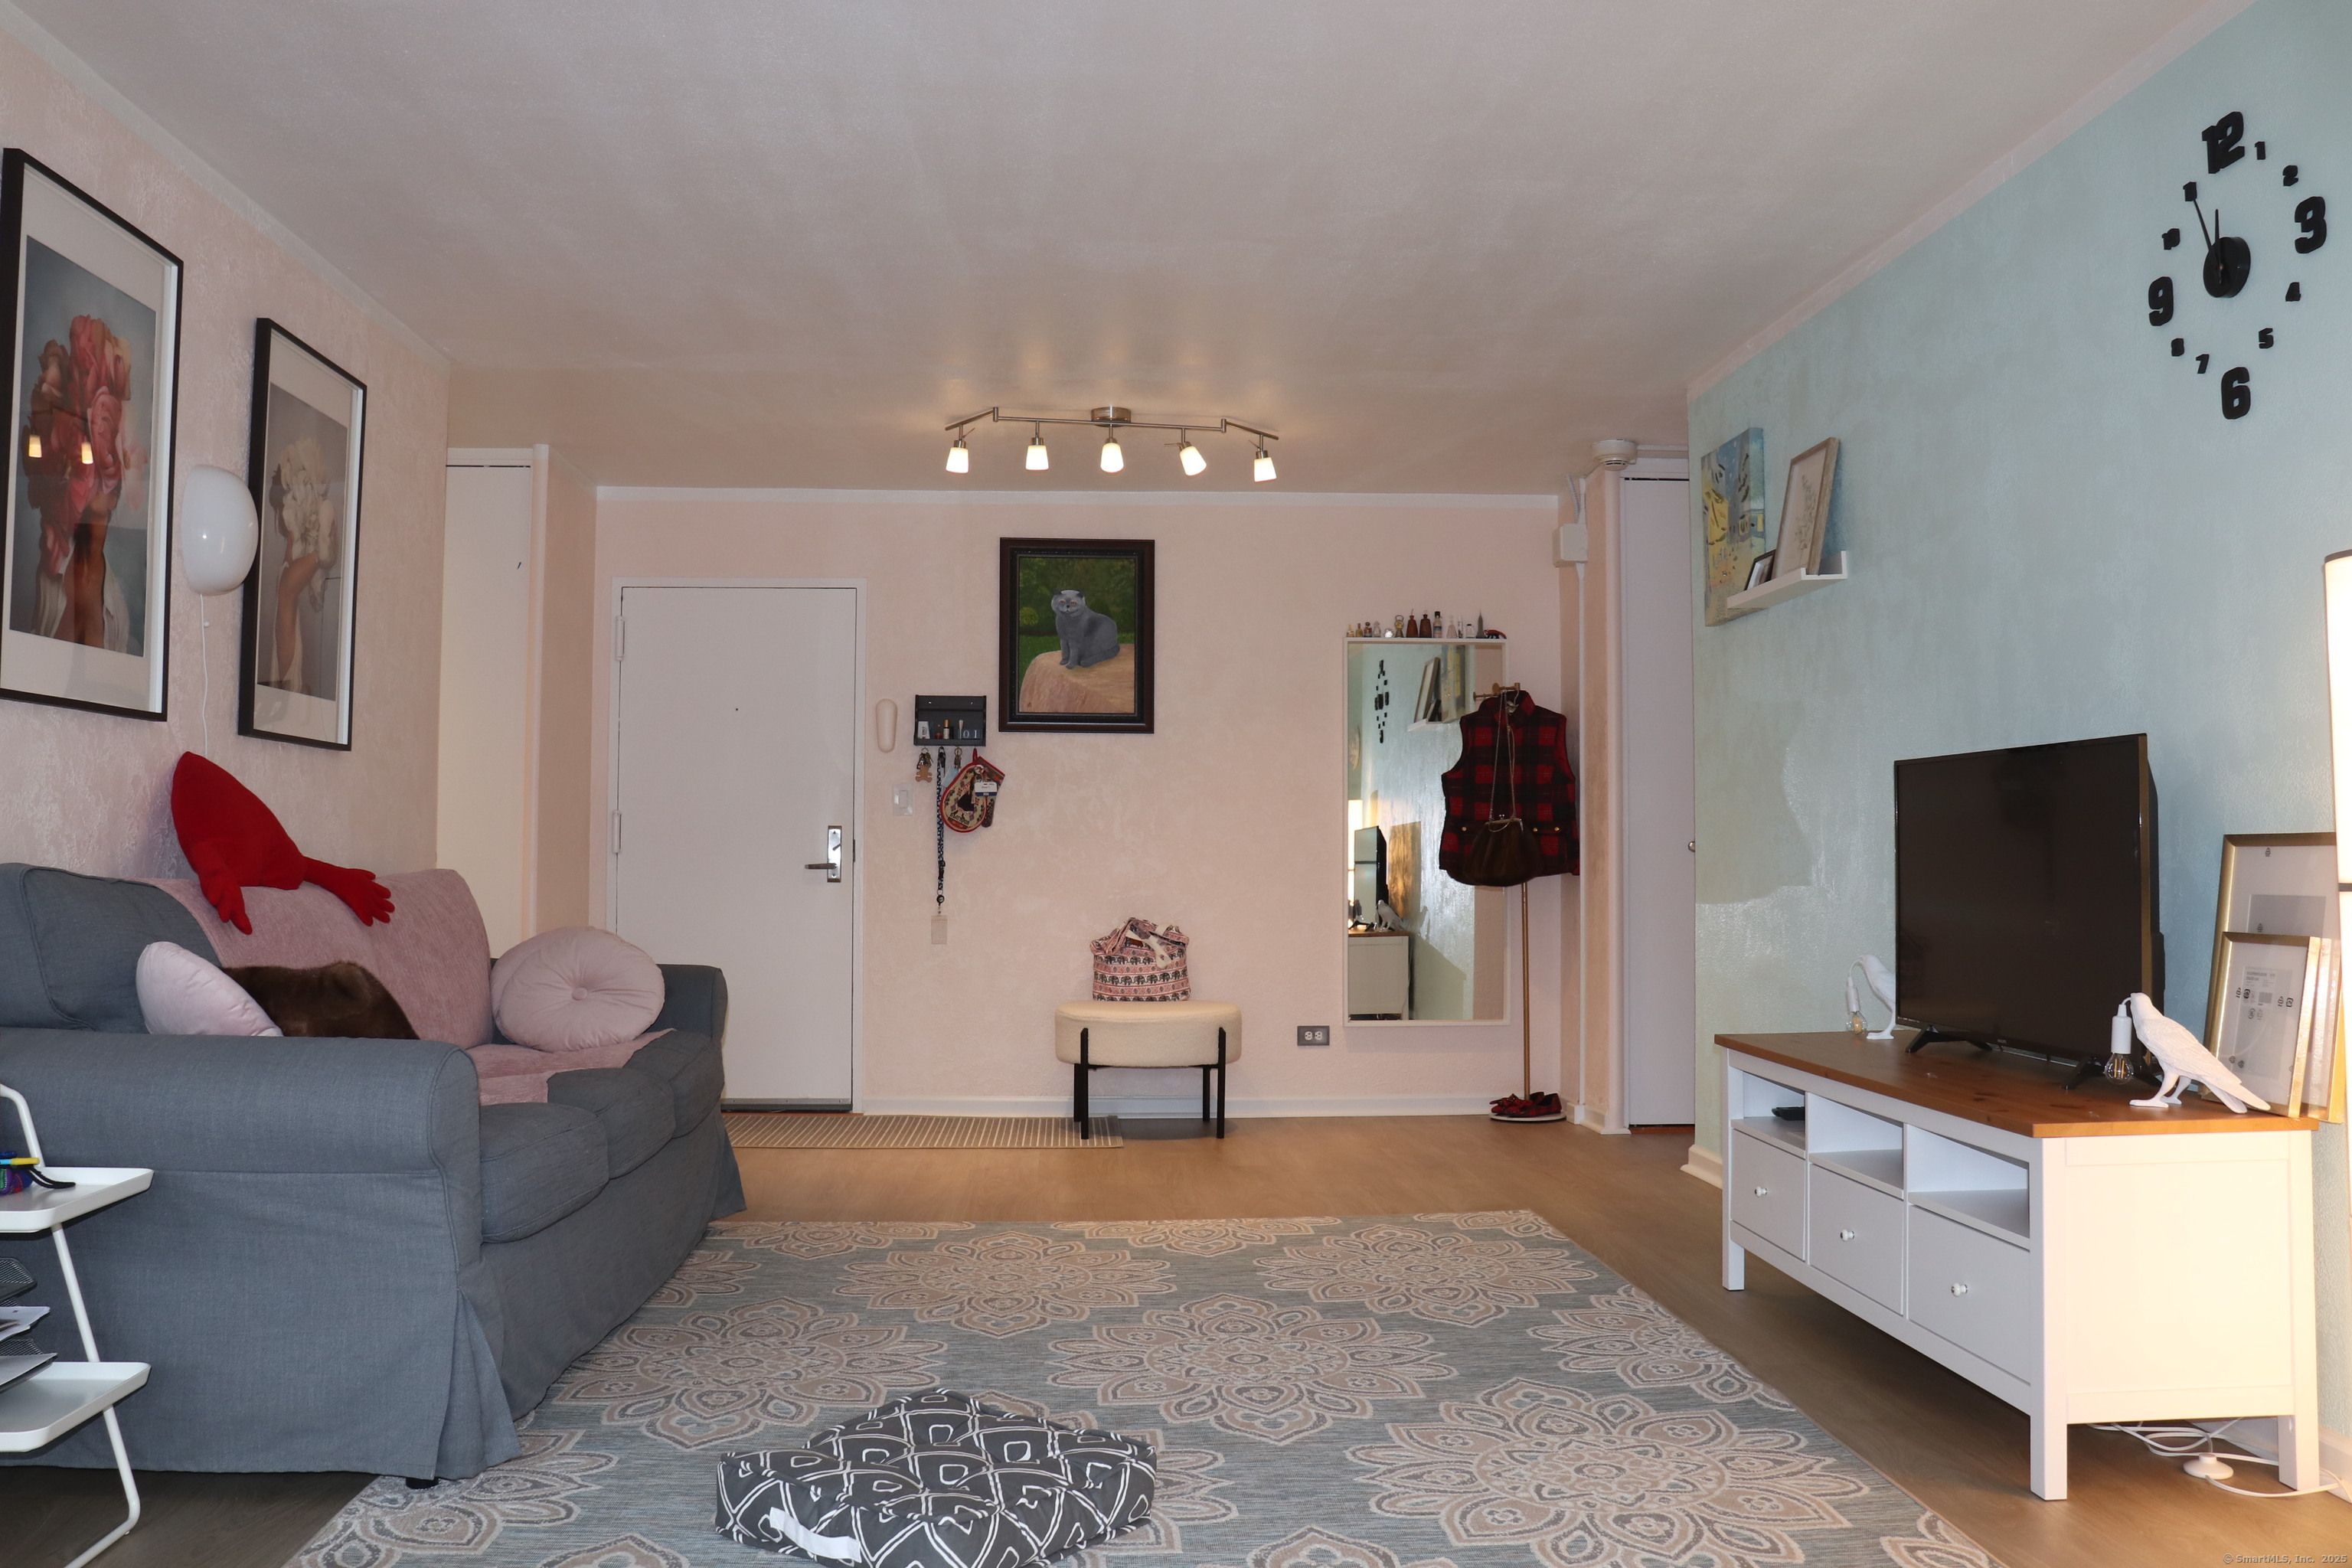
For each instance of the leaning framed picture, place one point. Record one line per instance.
(2283, 884)
(2262, 1021)
(1805, 510)
(310, 416)
(85, 579)
(1074, 635)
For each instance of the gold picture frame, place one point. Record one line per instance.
(2277, 884)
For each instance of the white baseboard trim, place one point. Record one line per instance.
(1595, 1117)
(1181, 1106)
(1705, 1165)
(2259, 1435)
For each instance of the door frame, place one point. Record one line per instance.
(616, 648)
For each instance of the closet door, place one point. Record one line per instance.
(1661, 807)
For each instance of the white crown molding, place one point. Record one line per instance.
(1087, 498)
(2192, 30)
(77, 72)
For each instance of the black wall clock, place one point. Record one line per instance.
(2234, 288)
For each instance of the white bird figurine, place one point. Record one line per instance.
(1882, 986)
(2182, 1057)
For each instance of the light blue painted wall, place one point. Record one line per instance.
(2054, 535)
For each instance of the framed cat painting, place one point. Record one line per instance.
(1074, 635)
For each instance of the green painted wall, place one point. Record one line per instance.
(2054, 535)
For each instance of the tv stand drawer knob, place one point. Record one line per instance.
(1762, 1191)
(1845, 1236)
(1959, 1290)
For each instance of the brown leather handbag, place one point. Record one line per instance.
(1501, 852)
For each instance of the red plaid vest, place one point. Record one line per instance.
(1543, 783)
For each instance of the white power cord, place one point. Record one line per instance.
(2206, 1465)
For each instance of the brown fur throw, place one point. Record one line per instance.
(334, 1001)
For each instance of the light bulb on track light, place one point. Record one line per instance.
(1189, 456)
(1037, 460)
(1263, 468)
(33, 445)
(1113, 459)
(959, 458)
(87, 457)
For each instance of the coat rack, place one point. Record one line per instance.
(1527, 1019)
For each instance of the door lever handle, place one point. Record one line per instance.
(831, 864)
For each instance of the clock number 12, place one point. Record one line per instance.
(2222, 139)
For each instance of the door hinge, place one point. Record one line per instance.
(616, 832)
(620, 637)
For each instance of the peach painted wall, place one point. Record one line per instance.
(564, 609)
(1229, 821)
(89, 791)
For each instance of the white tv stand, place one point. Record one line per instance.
(2082, 1259)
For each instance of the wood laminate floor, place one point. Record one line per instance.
(1957, 1448)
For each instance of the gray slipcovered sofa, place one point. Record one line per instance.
(345, 1262)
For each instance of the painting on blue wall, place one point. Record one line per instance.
(1731, 493)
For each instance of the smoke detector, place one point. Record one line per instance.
(1617, 454)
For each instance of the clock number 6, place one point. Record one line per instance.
(2160, 302)
(2237, 394)
(2312, 214)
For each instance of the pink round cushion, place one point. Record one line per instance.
(574, 989)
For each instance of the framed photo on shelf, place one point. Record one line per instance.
(1074, 639)
(2283, 884)
(2264, 1019)
(1760, 571)
(310, 416)
(85, 579)
(1805, 510)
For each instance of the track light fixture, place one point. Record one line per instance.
(1109, 421)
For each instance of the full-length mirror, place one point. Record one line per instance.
(1421, 947)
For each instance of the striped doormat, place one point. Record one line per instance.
(784, 1129)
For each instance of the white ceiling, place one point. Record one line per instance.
(1439, 248)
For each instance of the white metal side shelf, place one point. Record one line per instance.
(38, 1409)
(2083, 1262)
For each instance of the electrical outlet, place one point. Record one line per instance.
(902, 801)
(1313, 1034)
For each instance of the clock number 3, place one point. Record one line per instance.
(2160, 302)
(2237, 394)
(2222, 139)
(2311, 214)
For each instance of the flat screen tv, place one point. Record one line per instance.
(2025, 893)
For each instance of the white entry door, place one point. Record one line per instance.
(1661, 796)
(734, 762)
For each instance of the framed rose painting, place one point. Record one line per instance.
(85, 576)
(309, 417)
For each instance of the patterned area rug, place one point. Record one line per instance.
(1446, 1391)
(784, 1130)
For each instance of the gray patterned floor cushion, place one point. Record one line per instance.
(937, 1480)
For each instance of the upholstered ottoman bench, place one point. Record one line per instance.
(1204, 1034)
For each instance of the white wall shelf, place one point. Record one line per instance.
(1779, 588)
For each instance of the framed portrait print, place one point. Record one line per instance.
(308, 418)
(1074, 635)
(2283, 884)
(85, 578)
(1805, 510)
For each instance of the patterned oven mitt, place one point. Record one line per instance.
(937, 1480)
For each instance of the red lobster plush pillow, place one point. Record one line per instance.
(234, 842)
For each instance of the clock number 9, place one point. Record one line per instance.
(2160, 302)
(2312, 214)
(2237, 395)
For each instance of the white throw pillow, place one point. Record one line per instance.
(576, 989)
(180, 993)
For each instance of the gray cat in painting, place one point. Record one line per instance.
(1088, 636)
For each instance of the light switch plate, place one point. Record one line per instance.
(902, 801)
(1313, 1034)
